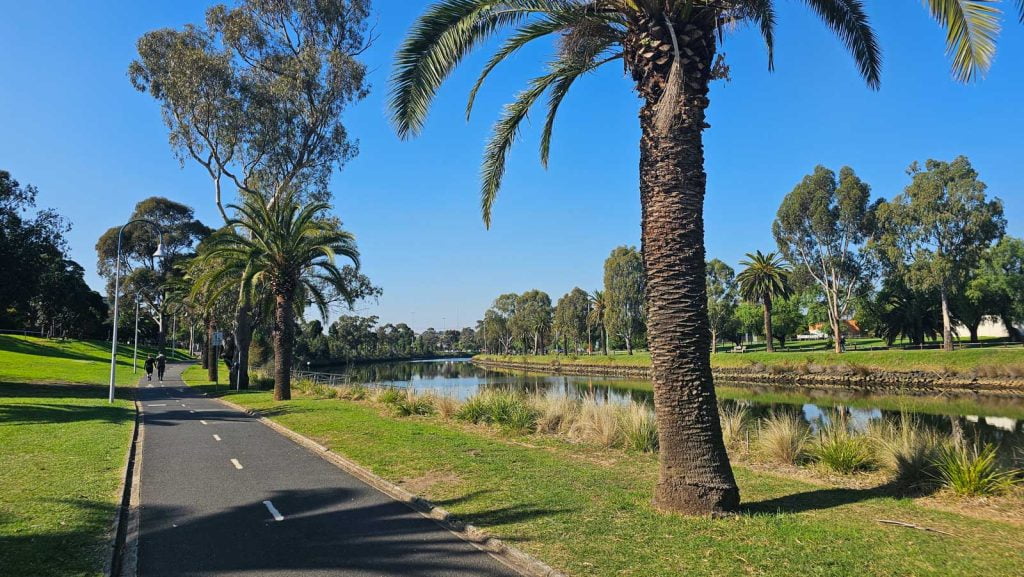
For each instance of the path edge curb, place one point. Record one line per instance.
(518, 560)
(122, 543)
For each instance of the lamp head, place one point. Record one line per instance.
(159, 251)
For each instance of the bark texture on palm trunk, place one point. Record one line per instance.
(768, 325)
(284, 336)
(243, 339)
(695, 476)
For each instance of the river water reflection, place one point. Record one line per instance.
(999, 420)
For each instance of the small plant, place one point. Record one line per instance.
(358, 392)
(735, 419)
(782, 438)
(447, 406)
(973, 472)
(555, 414)
(413, 404)
(389, 396)
(508, 410)
(639, 428)
(474, 410)
(842, 451)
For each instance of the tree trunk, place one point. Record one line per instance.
(714, 341)
(837, 330)
(947, 328)
(243, 339)
(284, 338)
(973, 329)
(768, 346)
(211, 353)
(604, 339)
(695, 476)
(629, 345)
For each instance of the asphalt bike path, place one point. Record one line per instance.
(223, 494)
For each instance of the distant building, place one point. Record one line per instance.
(849, 327)
(992, 327)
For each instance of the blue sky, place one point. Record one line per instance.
(72, 125)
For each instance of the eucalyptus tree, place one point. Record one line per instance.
(532, 319)
(570, 318)
(143, 274)
(935, 233)
(722, 297)
(292, 248)
(765, 278)
(821, 226)
(624, 289)
(596, 316)
(255, 96)
(670, 50)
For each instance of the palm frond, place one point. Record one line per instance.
(762, 13)
(971, 30)
(849, 21)
(558, 91)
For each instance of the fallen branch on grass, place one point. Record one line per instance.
(913, 526)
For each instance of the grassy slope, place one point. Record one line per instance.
(36, 360)
(889, 360)
(63, 451)
(587, 511)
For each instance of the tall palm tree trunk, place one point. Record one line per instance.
(284, 337)
(243, 339)
(604, 339)
(695, 476)
(768, 346)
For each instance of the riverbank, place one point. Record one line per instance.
(586, 510)
(990, 371)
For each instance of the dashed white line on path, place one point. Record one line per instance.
(189, 411)
(273, 511)
(203, 422)
(236, 463)
(216, 437)
(157, 405)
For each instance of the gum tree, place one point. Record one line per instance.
(670, 50)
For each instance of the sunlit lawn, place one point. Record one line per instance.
(63, 450)
(37, 360)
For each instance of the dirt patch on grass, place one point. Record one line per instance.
(424, 483)
(1008, 508)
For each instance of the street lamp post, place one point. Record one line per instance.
(135, 354)
(117, 289)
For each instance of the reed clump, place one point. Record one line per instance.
(782, 438)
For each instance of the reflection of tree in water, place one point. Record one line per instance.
(463, 379)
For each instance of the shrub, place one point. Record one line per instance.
(474, 410)
(358, 392)
(508, 410)
(782, 438)
(598, 423)
(973, 472)
(639, 428)
(735, 420)
(842, 451)
(909, 449)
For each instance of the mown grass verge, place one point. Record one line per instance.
(36, 360)
(63, 451)
(586, 510)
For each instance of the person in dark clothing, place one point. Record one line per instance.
(150, 361)
(161, 364)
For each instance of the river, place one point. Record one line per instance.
(987, 419)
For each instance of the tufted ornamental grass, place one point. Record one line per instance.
(639, 427)
(843, 451)
(974, 472)
(736, 422)
(782, 438)
(555, 414)
(597, 424)
(511, 412)
(388, 396)
(909, 449)
(447, 406)
(414, 404)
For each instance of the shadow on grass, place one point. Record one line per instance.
(73, 547)
(829, 498)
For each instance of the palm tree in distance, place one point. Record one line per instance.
(595, 318)
(291, 250)
(766, 278)
(670, 49)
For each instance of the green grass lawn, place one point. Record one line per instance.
(587, 511)
(960, 361)
(36, 360)
(63, 450)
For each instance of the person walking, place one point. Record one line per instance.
(161, 364)
(150, 361)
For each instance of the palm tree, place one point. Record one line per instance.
(670, 48)
(595, 318)
(765, 278)
(291, 249)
